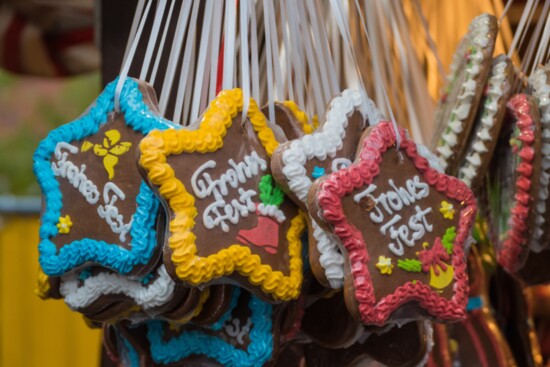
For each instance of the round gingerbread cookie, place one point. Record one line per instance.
(458, 105)
(513, 182)
(403, 227)
(487, 123)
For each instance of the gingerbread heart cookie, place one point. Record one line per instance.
(403, 227)
(297, 163)
(487, 123)
(97, 209)
(459, 103)
(228, 220)
(514, 182)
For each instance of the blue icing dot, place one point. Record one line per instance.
(317, 172)
(146, 279)
(56, 262)
(85, 274)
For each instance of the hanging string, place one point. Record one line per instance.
(162, 42)
(245, 69)
(153, 37)
(379, 80)
(505, 11)
(177, 44)
(129, 58)
(429, 39)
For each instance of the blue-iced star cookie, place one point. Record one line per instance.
(97, 209)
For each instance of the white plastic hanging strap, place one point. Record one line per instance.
(201, 62)
(177, 44)
(505, 10)
(229, 44)
(270, 97)
(429, 39)
(245, 69)
(185, 75)
(215, 49)
(162, 41)
(379, 79)
(153, 37)
(134, 27)
(520, 30)
(254, 55)
(128, 61)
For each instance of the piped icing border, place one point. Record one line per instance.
(196, 342)
(140, 118)
(302, 117)
(478, 147)
(362, 173)
(478, 38)
(541, 91)
(208, 138)
(147, 296)
(516, 236)
(326, 141)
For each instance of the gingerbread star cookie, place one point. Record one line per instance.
(513, 183)
(539, 85)
(297, 163)
(97, 209)
(403, 227)
(228, 219)
(459, 103)
(487, 123)
(293, 121)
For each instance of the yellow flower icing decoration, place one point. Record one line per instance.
(65, 224)
(109, 150)
(447, 210)
(384, 265)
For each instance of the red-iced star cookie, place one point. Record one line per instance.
(403, 227)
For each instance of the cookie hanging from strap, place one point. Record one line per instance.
(293, 121)
(228, 219)
(458, 105)
(97, 209)
(403, 226)
(297, 163)
(487, 123)
(512, 184)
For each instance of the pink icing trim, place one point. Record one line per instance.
(362, 173)
(508, 254)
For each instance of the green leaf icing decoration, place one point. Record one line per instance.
(411, 265)
(448, 239)
(270, 192)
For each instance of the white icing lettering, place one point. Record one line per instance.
(109, 211)
(76, 177)
(220, 212)
(389, 203)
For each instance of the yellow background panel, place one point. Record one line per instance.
(34, 332)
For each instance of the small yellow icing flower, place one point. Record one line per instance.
(447, 210)
(64, 224)
(110, 150)
(384, 265)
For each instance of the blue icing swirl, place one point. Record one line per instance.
(140, 118)
(233, 303)
(194, 342)
(128, 354)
